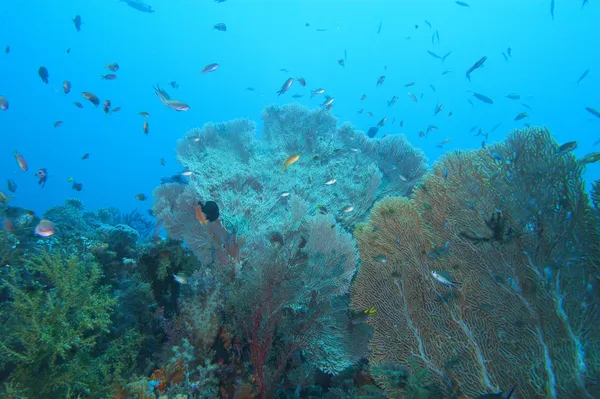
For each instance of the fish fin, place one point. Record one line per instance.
(510, 392)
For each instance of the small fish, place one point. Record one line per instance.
(341, 62)
(372, 132)
(552, 9)
(144, 114)
(526, 106)
(58, 123)
(285, 194)
(108, 76)
(5, 199)
(21, 161)
(436, 253)
(328, 102)
(446, 56)
(78, 104)
(45, 228)
(284, 70)
(85, 156)
(77, 22)
(348, 209)
(476, 65)
(428, 23)
(499, 395)
(42, 174)
(381, 259)
(513, 96)
(360, 111)
(509, 52)
(434, 55)
(593, 111)
(66, 86)
(363, 97)
(316, 92)
(76, 186)
(43, 73)
(431, 127)
(116, 109)
(3, 103)
(141, 197)
(113, 66)
(381, 123)
(413, 97)
(292, 159)
(522, 115)
(565, 148)
(209, 68)
(345, 55)
(370, 311)
(393, 101)
(505, 56)
(69, 50)
(180, 278)
(301, 81)
(444, 142)
(583, 75)
(409, 84)
(298, 95)
(220, 27)
(106, 106)
(438, 109)
(432, 88)
(330, 182)
(380, 80)
(250, 88)
(483, 98)
(12, 186)
(145, 127)
(91, 97)
(462, 4)
(140, 5)
(444, 278)
(286, 86)
(162, 162)
(379, 29)
(7, 49)
(590, 158)
(447, 71)
(187, 173)
(174, 84)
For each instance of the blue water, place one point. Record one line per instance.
(264, 36)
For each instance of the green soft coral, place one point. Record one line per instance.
(53, 323)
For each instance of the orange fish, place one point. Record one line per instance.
(21, 161)
(45, 228)
(200, 216)
(291, 160)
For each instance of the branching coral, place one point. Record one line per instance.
(513, 227)
(53, 323)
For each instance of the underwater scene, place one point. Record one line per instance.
(300, 199)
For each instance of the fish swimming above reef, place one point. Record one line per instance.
(372, 132)
(139, 5)
(499, 395)
(164, 98)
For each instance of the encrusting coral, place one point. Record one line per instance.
(513, 241)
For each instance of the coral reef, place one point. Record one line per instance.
(513, 240)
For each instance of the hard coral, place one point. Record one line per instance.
(513, 226)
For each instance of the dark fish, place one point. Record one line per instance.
(372, 132)
(3, 103)
(584, 3)
(499, 395)
(210, 68)
(174, 84)
(250, 88)
(590, 158)
(78, 104)
(446, 56)
(434, 55)
(482, 97)
(566, 148)
(341, 62)
(58, 123)
(476, 65)
(42, 174)
(146, 128)
(513, 96)
(210, 209)
(379, 29)
(509, 52)
(321, 30)
(432, 87)
(381, 123)
(139, 5)
(428, 23)
(106, 106)
(409, 84)
(526, 106)
(141, 197)
(220, 26)
(284, 70)
(91, 97)
(495, 127)
(285, 87)
(380, 80)
(522, 115)
(113, 66)
(69, 50)
(552, 9)
(345, 55)
(583, 75)
(593, 111)
(77, 22)
(7, 49)
(505, 57)
(301, 81)
(85, 156)
(298, 95)
(12, 186)
(108, 76)
(43, 72)
(77, 186)
(462, 3)
(66, 87)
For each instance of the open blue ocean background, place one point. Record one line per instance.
(263, 37)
